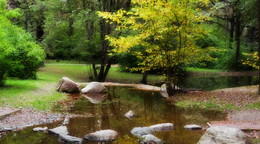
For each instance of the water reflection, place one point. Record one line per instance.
(150, 108)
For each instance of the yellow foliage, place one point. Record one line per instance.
(167, 29)
(252, 60)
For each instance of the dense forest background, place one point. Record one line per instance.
(72, 30)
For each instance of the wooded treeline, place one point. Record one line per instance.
(72, 30)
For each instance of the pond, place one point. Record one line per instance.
(108, 113)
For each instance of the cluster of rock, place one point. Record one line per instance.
(69, 86)
(63, 134)
(145, 133)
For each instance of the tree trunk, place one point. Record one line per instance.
(238, 40)
(232, 30)
(39, 31)
(258, 3)
(144, 79)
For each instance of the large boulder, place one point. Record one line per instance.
(101, 136)
(67, 85)
(223, 135)
(94, 88)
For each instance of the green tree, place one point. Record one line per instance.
(20, 56)
(168, 31)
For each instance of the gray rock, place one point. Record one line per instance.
(140, 131)
(223, 135)
(130, 114)
(94, 87)
(39, 129)
(67, 85)
(61, 130)
(66, 121)
(101, 136)
(147, 139)
(163, 90)
(162, 127)
(95, 98)
(70, 139)
(192, 127)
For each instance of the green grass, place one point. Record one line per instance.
(39, 94)
(205, 105)
(192, 69)
(254, 105)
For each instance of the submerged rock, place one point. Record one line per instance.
(130, 114)
(94, 87)
(150, 139)
(39, 129)
(223, 135)
(61, 130)
(192, 127)
(162, 127)
(95, 98)
(67, 85)
(67, 139)
(101, 136)
(140, 131)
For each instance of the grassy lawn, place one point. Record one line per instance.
(192, 69)
(41, 94)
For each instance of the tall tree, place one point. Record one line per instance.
(166, 29)
(106, 29)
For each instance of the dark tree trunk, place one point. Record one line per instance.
(39, 30)
(144, 79)
(106, 29)
(169, 82)
(94, 71)
(258, 3)
(232, 30)
(237, 37)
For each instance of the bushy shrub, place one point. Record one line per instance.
(20, 56)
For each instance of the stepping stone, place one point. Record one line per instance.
(101, 136)
(150, 139)
(39, 129)
(192, 127)
(61, 130)
(67, 139)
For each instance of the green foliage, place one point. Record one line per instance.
(20, 56)
(167, 30)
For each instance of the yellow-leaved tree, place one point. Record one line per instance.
(166, 29)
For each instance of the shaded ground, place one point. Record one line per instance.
(12, 119)
(235, 101)
(239, 97)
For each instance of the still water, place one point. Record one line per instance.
(108, 112)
